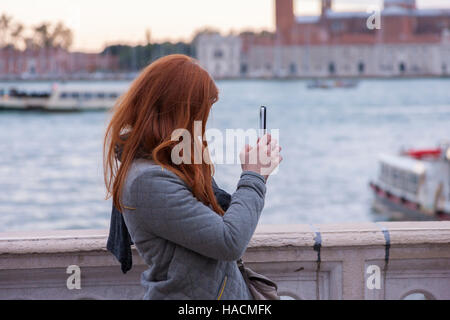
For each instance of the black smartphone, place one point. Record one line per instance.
(262, 121)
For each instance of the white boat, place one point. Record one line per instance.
(414, 185)
(62, 97)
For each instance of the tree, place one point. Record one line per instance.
(42, 35)
(58, 36)
(11, 32)
(17, 34)
(62, 36)
(5, 26)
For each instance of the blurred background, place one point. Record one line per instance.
(360, 91)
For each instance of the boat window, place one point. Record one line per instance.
(100, 95)
(16, 94)
(88, 95)
(401, 180)
(413, 183)
(388, 175)
(113, 95)
(64, 95)
(396, 178)
(1, 92)
(383, 173)
(75, 95)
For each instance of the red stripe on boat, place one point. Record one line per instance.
(424, 153)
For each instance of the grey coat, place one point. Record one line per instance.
(191, 251)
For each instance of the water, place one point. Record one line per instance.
(51, 165)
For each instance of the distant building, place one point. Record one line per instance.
(220, 55)
(411, 42)
(52, 62)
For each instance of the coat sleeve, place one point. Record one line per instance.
(165, 207)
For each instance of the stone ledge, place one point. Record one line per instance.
(33, 264)
(266, 236)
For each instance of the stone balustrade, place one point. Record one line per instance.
(342, 261)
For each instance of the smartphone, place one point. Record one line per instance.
(262, 121)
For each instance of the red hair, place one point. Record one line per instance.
(171, 93)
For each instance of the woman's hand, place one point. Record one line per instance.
(264, 158)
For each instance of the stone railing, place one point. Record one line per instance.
(345, 261)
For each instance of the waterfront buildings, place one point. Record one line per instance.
(409, 42)
(52, 63)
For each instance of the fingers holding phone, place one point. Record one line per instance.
(264, 158)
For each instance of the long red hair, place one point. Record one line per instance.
(171, 93)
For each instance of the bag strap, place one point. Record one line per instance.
(241, 267)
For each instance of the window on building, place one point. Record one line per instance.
(402, 67)
(444, 69)
(332, 68)
(218, 53)
(361, 68)
(293, 69)
(244, 69)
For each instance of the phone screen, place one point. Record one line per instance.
(262, 121)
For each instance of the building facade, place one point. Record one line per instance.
(410, 42)
(220, 55)
(52, 62)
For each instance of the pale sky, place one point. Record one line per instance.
(99, 22)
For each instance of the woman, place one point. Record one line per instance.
(188, 240)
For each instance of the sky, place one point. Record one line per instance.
(97, 23)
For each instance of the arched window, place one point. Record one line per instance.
(402, 67)
(361, 67)
(244, 69)
(332, 68)
(293, 68)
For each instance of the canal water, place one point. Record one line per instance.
(51, 164)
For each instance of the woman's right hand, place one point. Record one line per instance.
(264, 158)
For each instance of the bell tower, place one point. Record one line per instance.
(285, 19)
(326, 5)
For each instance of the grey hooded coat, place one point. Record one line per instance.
(191, 251)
